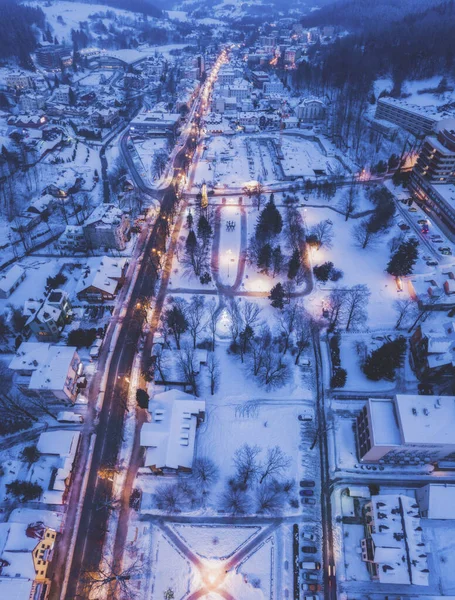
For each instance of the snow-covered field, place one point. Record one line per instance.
(303, 158)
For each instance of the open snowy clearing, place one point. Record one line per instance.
(213, 541)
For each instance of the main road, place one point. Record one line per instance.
(89, 537)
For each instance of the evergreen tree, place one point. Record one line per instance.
(277, 296)
(269, 223)
(265, 258)
(189, 220)
(403, 261)
(277, 260)
(294, 264)
(204, 229)
(383, 362)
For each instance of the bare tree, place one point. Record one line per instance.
(112, 581)
(235, 320)
(276, 462)
(168, 497)
(274, 371)
(323, 233)
(260, 346)
(250, 312)
(235, 501)
(213, 366)
(349, 201)
(270, 499)
(159, 163)
(246, 464)
(355, 309)
(194, 313)
(403, 308)
(205, 473)
(286, 323)
(293, 228)
(364, 234)
(188, 367)
(335, 305)
(161, 364)
(302, 334)
(212, 320)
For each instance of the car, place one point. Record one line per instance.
(403, 226)
(307, 483)
(311, 587)
(309, 549)
(312, 597)
(422, 221)
(310, 565)
(306, 493)
(308, 576)
(445, 251)
(426, 257)
(432, 263)
(311, 501)
(308, 536)
(412, 209)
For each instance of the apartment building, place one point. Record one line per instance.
(415, 119)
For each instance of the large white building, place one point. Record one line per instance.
(170, 437)
(416, 119)
(409, 429)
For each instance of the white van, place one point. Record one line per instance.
(310, 566)
(95, 349)
(69, 417)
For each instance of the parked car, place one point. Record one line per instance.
(445, 250)
(412, 209)
(432, 263)
(308, 536)
(311, 501)
(307, 483)
(69, 417)
(309, 549)
(309, 576)
(403, 226)
(422, 222)
(312, 597)
(311, 587)
(306, 493)
(306, 565)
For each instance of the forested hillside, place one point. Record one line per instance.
(17, 37)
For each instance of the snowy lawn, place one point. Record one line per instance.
(213, 541)
(303, 157)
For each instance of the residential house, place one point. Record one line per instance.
(432, 347)
(170, 437)
(47, 371)
(11, 280)
(72, 239)
(434, 291)
(311, 109)
(102, 279)
(107, 228)
(46, 318)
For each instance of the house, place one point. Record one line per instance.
(432, 348)
(58, 447)
(311, 109)
(394, 548)
(47, 371)
(11, 280)
(104, 117)
(170, 437)
(26, 549)
(436, 290)
(436, 501)
(107, 227)
(406, 430)
(46, 318)
(72, 239)
(102, 279)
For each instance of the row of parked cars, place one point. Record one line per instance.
(309, 567)
(307, 492)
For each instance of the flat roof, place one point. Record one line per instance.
(426, 419)
(441, 501)
(384, 422)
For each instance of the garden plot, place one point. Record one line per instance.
(214, 542)
(146, 150)
(359, 267)
(304, 158)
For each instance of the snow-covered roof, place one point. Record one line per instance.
(103, 274)
(53, 372)
(170, 437)
(16, 588)
(50, 518)
(62, 442)
(441, 501)
(109, 214)
(384, 422)
(426, 419)
(9, 279)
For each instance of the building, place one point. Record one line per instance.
(47, 371)
(35, 121)
(11, 280)
(259, 78)
(436, 290)
(156, 123)
(58, 447)
(54, 56)
(31, 102)
(170, 438)
(102, 279)
(26, 550)
(409, 429)
(311, 109)
(432, 347)
(105, 117)
(433, 176)
(19, 81)
(62, 94)
(46, 318)
(107, 228)
(394, 548)
(415, 119)
(72, 239)
(274, 86)
(436, 501)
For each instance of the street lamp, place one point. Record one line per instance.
(229, 253)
